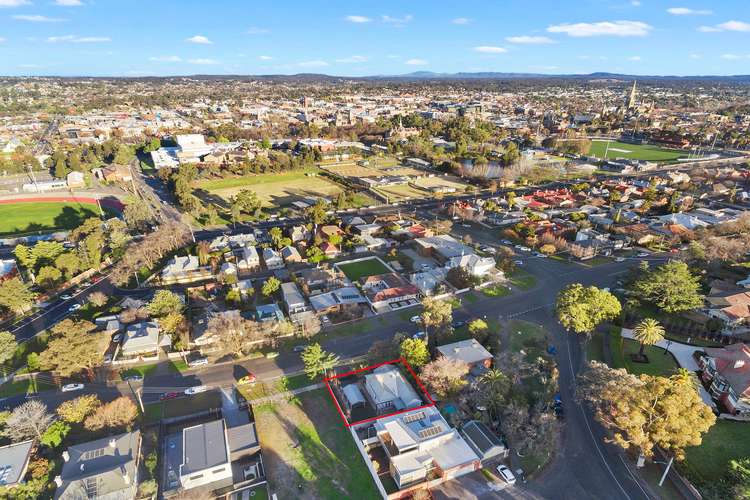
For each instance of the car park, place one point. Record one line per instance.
(71, 387)
(195, 390)
(506, 474)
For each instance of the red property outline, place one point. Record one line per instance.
(372, 367)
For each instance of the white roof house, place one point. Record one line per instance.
(468, 351)
(476, 265)
(141, 338)
(388, 388)
(250, 258)
(272, 258)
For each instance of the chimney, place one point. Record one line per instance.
(113, 443)
(66, 455)
(58, 481)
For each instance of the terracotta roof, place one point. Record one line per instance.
(733, 363)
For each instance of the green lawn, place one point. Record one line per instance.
(529, 337)
(634, 151)
(369, 267)
(178, 365)
(659, 363)
(144, 371)
(27, 386)
(252, 180)
(522, 279)
(265, 389)
(595, 348)
(616, 346)
(496, 291)
(17, 218)
(725, 441)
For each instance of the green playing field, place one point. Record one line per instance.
(646, 152)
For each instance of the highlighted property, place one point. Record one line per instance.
(377, 391)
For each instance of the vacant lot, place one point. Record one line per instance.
(446, 181)
(369, 267)
(16, 218)
(274, 189)
(634, 151)
(402, 192)
(307, 451)
(354, 170)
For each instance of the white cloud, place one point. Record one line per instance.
(529, 40)
(734, 57)
(313, 64)
(352, 59)
(3, 39)
(486, 49)
(78, 39)
(416, 62)
(634, 58)
(358, 19)
(695, 56)
(727, 26)
(708, 29)
(254, 30)
(265, 58)
(203, 62)
(399, 22)
(199, 39)
(165, 59)
(37, 18)
(461, 21)
(69, 3)
(635, 3)
(13, 3)
(604, 28)
(685, 11)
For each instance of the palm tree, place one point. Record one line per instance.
(494, 386)
(204, 251)
(648, 332)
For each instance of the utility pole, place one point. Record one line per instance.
(666, 471)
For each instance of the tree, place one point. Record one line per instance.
(648, 332)
(315, 255)
(120, 413)
(739, 478)
(548, 249)
(646, 411)
(203, 249)
(15, 295)
(270, 287)
(246, 201)
(48, 276)
(74, 346)
(27, 421)
(671, 287)
(55, 433)
(415, 352)
(165, 302)
(98, 299)
(68, 263)
(494, 387)
(137, 215)
(438, 316)
(276, 236)
(479, 329)
(445, 377)
(582, 309)
(172, 322)
(317, 361)
(76, 410)
(317, 213)
(8, 346)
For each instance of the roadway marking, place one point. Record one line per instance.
(632, 476)
(591, 433)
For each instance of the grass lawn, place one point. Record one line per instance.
(496, 290)
(144, 371)
(27, 386)
(595, 348)
(402, 192)
(305, 442)
(369, 267)
(634, 151)
(725, 441)
(616, 346)
(529, 337)
(16, 218)
(522, 279)
(659, 363)
(259, 492)
(265, 389)
(178, 365)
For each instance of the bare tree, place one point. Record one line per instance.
(29, 420)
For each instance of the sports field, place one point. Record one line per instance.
(274, 189)
(401, 192)
(369, 267)
(26, 217)
(646, 152)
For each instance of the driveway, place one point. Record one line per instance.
(476, 486)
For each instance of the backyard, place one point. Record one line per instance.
(367, 267)
(647, 152)
(305, 443)
(18, 218)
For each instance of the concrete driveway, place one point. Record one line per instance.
(477, 486)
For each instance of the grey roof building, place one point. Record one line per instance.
(205, 455)
(14, 459)
(106, 469)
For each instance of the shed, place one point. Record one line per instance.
(354, 396)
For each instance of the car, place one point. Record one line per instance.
(198, 362)
(518, 262)
(489, 250)
(299, 348)
(247, 379)
(458, 324)
(107, 358)
(85, 284)
(133, 378)
(325, 320)
(74, 307)
(419, 335)
(117, 338)
(540, 255)
(506, 242)
(506, 474)
(71, 387)
(674, 250)
(169, 395)
(195, 390)
(415, 319)
(619, 259)
(642, 254)
(66, 296)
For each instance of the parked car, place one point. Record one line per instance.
(619, 259)
(66, 296)
(415, 319)
(506, 474)
(419, 335)
(540, 255)
(465, 225)
(198, 362)
(506, 242)
(169, 395)
(117, 338)
(489, 250)
(247, 379)
(299, 348)
(133, 378)
(71, 387)
(518, 262)
(195, 390)
(458, 324)
(107, 358)
(74, 307)
(642, 254)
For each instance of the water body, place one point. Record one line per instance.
(491, 170)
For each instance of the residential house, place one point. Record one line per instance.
(732, 306)
(185, 269)
(272, 258)
(14, 460)
(329, 249)
(388, 291)
(249, 261)
(485, 443)
(106, 468)
(473, 263)
(291, 255)
(205, 456)
(467, 351)
(442, 248)
(320, 279)
(143, 338)
(330, 230)
(268, 312)
(113, 173)
(294, 302)
(299, 233)
(728, 371)
(388, 390)
(75, 180)
(421, 445)
(345, 299)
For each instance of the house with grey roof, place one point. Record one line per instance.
(143, 338)
(14, 460)
(467, 351)
(205, 455)
(105, 468)
(389, 391)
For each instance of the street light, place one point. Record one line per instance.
(669, 343)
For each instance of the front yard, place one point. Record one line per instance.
(307, 451)
(709, 462)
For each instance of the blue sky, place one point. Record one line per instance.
(171, 37)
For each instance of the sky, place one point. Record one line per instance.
(359, 38)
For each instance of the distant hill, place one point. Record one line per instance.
(491, 75)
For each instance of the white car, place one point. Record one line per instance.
(198, 362)
(195, 390)
(642, 254)
(506, 474)
(74, 307)
(415, 319)
(518, 262)
(620, 259)
(66, 296)
(117, 338)
(71, 387)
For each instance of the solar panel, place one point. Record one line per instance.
(414, 417)
(430, 431)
